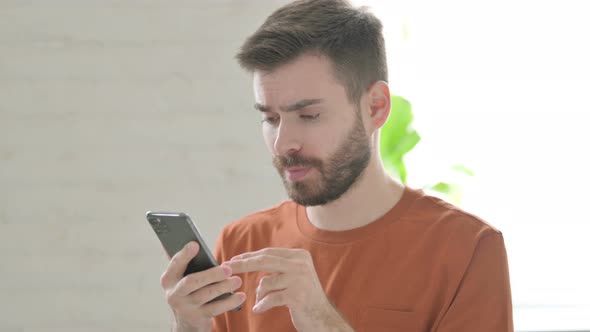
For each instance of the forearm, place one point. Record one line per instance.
(329, 320)
(178, 326)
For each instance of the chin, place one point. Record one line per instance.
(309, 200)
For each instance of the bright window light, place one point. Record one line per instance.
(502, 87)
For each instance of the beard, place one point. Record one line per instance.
(336, 175)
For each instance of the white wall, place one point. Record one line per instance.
(109, 109)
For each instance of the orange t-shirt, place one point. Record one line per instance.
(425, 265)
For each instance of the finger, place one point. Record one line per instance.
(218, 307)
(178, 264)
(263, 263)
(270, 301)
(281, 252)
(272, 283)
(213, 291)
(198, 280)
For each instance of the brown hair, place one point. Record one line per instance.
(351, 38)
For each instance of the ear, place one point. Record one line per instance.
(379, 101)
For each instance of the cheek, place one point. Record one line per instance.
(322, 143)
(330, 139)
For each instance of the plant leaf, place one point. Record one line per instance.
(443, 187)
(462, 169)
(397, 124)
(404, 145)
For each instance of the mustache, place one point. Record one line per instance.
(294, 160)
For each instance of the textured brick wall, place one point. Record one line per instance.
(109, 109)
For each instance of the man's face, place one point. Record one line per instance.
(317, 138)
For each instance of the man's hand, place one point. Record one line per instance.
(188, 296)
(292, 282)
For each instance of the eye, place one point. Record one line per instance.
(310, 117)
(272, 120)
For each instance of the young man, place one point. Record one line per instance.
(353, 250)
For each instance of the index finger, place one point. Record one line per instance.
(178, 264)
(281, 252)
(262, 263)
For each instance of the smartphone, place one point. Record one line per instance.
(175, 230)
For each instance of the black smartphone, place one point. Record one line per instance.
(175, 230)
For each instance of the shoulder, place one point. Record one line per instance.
(449, 232)
(435, 215)
(452, 241)
(261, 220)
(253, 231)
(261, 224)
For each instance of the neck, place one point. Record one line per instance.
(374, 193)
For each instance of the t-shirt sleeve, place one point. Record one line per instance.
(220, 251)
(483, 300)
(219, 322)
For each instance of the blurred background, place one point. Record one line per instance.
(110, 108)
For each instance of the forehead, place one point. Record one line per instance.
(308, 76)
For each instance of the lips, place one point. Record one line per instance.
(296, 173)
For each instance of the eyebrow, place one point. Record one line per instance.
(290, 108)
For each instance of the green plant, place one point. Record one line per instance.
(398, 137)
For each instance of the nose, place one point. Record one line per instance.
(286, 141)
